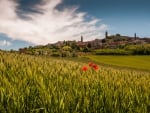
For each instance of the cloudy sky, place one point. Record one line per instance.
(37, 22)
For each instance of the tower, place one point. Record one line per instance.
(106, 34)
(81, 38)
(135, 36)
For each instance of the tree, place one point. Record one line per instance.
(85, 49)
(103, 40)
(89, 45)
(118, 35)
(67, 48)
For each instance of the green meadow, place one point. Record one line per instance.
(139, 62)
(35, 84)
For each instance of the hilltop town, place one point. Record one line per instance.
(65, 48)
(113, 41)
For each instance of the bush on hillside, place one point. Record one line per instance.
(139, 49)
(55, 54)
(112, 52)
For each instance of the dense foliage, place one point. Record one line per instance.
(127, 50)
(30, 84)
(139, 49)
(112, 52)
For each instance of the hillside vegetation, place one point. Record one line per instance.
(125, 50)
(30, 84)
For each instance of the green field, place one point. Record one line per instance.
(136, 62)
(30, 84)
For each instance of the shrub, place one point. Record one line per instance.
(55, 54)
(112, 52)
(139, 49)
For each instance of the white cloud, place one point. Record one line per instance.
(49, 26)
(4, 43)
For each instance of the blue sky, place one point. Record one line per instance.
(36, 22)
(122, 16)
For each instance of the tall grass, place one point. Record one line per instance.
(31, 84)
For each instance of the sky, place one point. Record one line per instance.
(26, 23)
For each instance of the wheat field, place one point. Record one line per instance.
(31, 84)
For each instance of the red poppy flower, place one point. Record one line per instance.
(84, 68)
(91, 64)
(95, 67)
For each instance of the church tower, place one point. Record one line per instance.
(81, 38)
(106, 34)
(135, 36)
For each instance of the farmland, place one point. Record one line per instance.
(30, 84)
(135, 62)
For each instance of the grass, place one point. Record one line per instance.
(135, 62)
(30, 84)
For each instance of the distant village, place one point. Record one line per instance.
(113, 41)
(119, 44)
